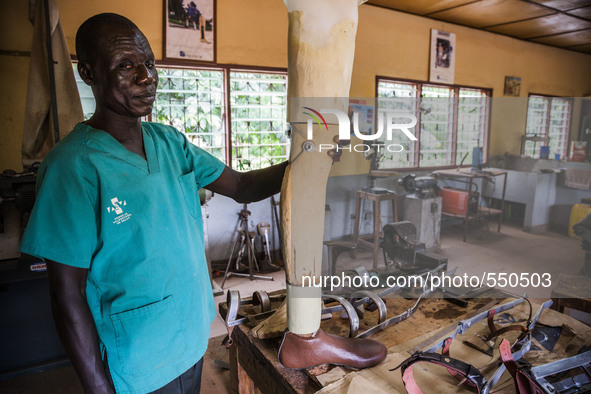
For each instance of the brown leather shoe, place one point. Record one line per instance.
(305, 352)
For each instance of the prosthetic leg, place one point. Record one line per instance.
(321, 42)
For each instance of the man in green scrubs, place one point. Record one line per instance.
(118, 221)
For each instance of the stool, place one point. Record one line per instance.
(335, 248)
(373, 240)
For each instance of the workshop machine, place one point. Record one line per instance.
(422, 187)
(17, 196)
(403, 249)
(30, 343)
(422, 207)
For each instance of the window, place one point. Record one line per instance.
(86, 96)
(193, 102)
(548, 117)
(259, 119)
(251, 135)
(451, 121)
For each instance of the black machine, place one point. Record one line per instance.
(402, 248)
(423, 186)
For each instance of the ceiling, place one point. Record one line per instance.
(560, 23)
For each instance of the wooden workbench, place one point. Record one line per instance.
(254, 362)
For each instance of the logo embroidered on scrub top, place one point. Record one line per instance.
(116, 208)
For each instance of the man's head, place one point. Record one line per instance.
(87, 37)
(115, 59)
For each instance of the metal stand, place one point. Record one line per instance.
(246, 246)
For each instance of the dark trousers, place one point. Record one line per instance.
(188, 383)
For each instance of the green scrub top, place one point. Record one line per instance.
(136, 225)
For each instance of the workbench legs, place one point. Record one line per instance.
(240, 382)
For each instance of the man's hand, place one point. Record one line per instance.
(75, 325)
(246, 187)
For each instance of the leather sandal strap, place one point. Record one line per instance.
(459, 368)
(496, 332)
(445, 352)
(524, 384)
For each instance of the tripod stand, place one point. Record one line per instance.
(243, 246)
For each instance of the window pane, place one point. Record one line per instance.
(258, 111)
(537, 120)
(548, 117)
(472, 124)
(560, 111)
(436, 140)
(397, 97)
(452, 122)
(86, 96)
(192, 101)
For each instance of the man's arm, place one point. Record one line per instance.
(246, 187)
(75, 325)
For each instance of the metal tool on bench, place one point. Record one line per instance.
(356, 300)
(403, 249)
(577, 383)
(234, 302)
(423, 186)
(467, 371)
(359, 298)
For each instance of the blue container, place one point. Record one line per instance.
(544, 152)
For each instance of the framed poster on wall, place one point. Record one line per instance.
(189, 30)
(442, 58)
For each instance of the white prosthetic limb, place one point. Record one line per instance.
(321, 46)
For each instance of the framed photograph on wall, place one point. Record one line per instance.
(442, 59)
(512, 86)
(189, 30)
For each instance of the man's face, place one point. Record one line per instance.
(124, 74)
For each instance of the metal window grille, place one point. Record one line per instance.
(473, 115)
(398, 97)
(192, 101)
(258, 103)
(451, 122)
(437, 126)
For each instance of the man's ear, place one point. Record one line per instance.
(86, 73)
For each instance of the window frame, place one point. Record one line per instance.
(456, 88)
(226, 69)
(547, 123)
